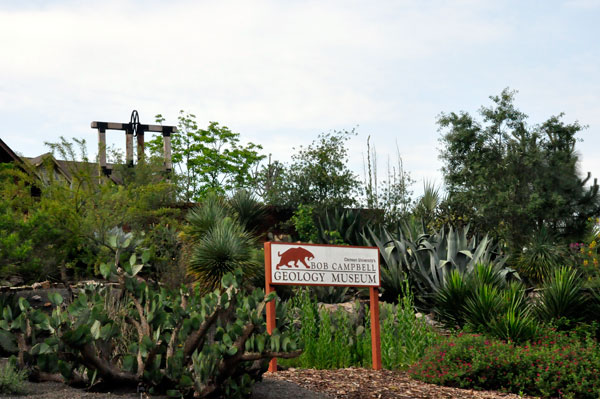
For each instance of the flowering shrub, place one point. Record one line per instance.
(558, 365)
(588, 252)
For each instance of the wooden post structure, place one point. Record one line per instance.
(321, 265)
(129, 147)
(137, 129)
(167, 151)
(140, 144)
(375, 328)
(271, 305)
(102, 149)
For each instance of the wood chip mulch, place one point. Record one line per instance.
(358, 383)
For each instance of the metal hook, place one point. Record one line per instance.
(134, 122)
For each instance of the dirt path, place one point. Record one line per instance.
(351, 383)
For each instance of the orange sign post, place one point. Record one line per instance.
(324, 265)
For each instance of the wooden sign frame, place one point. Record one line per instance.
(373, 302)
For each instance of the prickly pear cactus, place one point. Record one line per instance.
(132, 333)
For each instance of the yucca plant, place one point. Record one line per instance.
(205, 216)
(563, 296)
(541, 256)
(427, 205)
(516, 323)
(450, 300)
(483, 306)
(247, 209)
(224, 248)
(486, 303)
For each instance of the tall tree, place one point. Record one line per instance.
(318, 175)
(209, 160)
(510, 178)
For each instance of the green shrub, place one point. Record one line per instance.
(558, 365)
(404, 337)
(341, 339)
(485, 303)
(330, 339)
(542, 255)
(429, 259)
(11, 380)
(563, 296)
(304, 224)
(450, 300)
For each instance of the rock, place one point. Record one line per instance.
(15, 280)
(43, 284)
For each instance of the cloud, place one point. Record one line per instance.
(281, 72)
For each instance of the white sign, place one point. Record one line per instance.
(324, 265)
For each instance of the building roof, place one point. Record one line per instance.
(64, 168)
(7, 154)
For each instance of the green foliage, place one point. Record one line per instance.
(404, 338)
(557, 365)
(224, 248)
(330, 294)
(62, 234)
(483, 301)
(427, 206)
(247, 209)
(318, 175)
(208, 160)
(450, 300)
(304, 224)
(164, 245)
(427, 260)
(563, 296)
(541, 256)
(342, 226)
(510, 179)
(331, 339)
(214, 344)
(12, 381)
(334, 339)
(220, 243)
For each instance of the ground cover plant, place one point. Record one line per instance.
(556, 365)
(12, 380)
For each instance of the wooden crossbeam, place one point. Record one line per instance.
(141, 127)
(129, 129)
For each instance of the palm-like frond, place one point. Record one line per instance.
(224, 248)
(563, 295)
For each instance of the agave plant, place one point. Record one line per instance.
(348, 223)
(428, 260)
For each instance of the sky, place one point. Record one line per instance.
(281, 72)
